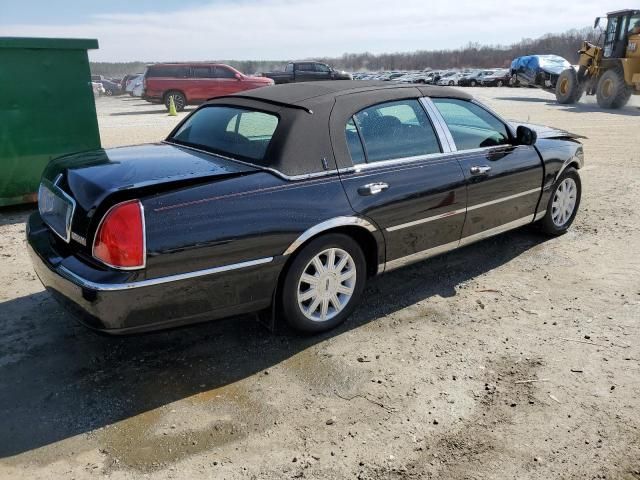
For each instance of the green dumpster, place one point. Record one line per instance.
(47, 109)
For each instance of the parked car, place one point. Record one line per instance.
(138, 87)
(498, 78)
(125, 80)
(97, 88)
(450, 79)
(288, 199)
(474, 79)
(133, 82)
(538, 70)
(111, 88)
(306, 72)
(194, 83)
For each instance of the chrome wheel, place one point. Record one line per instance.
(564, 202)
(326, 285)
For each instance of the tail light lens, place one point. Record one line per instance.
(120, 239)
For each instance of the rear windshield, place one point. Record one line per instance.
(231, 131)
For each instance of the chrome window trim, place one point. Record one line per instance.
(442, 128)
(144, 239)
(425, 220)
(392, 162)
(328, 225)
(447, 247)
(108, 287)
(53, 186)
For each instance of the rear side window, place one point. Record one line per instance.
(471, 126)
(230, 131)
(201, 72)
(171, 71)
(354, 143)
(395, 130)
(306, 67)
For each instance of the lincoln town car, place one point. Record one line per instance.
(286, 200)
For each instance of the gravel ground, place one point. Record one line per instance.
(517, 357)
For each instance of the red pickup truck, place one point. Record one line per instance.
(194, 83)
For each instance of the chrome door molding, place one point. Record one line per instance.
(447, 247)
(328, 225)
(425, 220)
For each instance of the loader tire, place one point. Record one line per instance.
(612, 91)
(568, 88)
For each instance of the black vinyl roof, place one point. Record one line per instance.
(312, 117)
(300, 94)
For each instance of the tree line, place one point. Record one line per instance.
(473, 54)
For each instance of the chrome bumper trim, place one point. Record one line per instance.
(108, 287)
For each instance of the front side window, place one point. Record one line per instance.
(322, 68)
(230, 131)
(396, 130)
(471, 126)
(222, 72)
(289, 68)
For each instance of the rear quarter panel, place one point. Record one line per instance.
(235, 220)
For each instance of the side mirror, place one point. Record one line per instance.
(526, 136)
(238, 76)
(596, 23)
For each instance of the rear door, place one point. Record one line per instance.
(201, 83)
(305, 72)
(403, 179)
(504, 180)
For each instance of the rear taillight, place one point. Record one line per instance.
(120, 239)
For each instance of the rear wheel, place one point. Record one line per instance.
(568, 88)
(563, 203)
(324, 283)
(612, 91)
(500, 83)
(108, 92)
(179, 100)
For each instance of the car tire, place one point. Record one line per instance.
(108, 93)
(473, 83)
(612, 91)
(311, 312)
(500, 83)
(568, 89)
(563, 203)
(179, 100)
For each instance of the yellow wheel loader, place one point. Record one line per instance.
(609, 70)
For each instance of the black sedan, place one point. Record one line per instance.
(287, 199)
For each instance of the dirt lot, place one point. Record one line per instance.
(517, 357)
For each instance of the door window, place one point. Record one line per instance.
(396, 130)
(306, 67)
(201, 72)
(322, 68)
(470, 125)
(221, 72)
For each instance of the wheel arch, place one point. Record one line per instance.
(361, 230)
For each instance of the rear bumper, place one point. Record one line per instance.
(115, 303)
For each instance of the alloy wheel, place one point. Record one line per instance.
(564, 202)
(326, 285)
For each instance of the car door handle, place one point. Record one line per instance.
(480, 169)
(372, 188)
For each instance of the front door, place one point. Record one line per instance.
(504, 180)
(404, 181)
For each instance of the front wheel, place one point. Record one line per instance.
(612, 91)
(563, 204)
(324, 283)
(568, 88)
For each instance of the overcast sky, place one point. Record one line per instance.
(157, 30)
